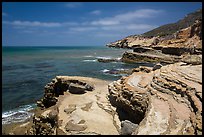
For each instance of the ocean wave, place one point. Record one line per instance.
(89, 60)
(102, 57)
(17, 115)
(88, 56)
(114, 72)
(105, 70)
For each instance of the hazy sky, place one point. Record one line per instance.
(84, 23)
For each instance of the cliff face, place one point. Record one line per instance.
(164, 101)
(168, 49)
(190, 37)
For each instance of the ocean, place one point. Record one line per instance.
(26, 70)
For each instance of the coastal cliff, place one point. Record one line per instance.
(171, 35)
(160, 100)
(169, 45)
(169, 49)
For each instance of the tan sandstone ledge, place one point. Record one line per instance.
(164, 101)
(86, 113)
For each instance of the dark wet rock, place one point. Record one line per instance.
(108, 60)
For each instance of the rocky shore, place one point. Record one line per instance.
(160, 100)
(152, 100)
(72, 106)
(169, 49)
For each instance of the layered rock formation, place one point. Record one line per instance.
(168, 49)
(82, 107)
(164, 101)
(184, 39)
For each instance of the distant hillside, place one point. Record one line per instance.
(169, 29)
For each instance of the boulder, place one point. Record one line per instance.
(127, 127)
(193, 59)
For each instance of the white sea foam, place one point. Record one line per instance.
(105, 70)
(17, 115)
(102, 57)
(89, 60)
(88, 56)
(108, 72)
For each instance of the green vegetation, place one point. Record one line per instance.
(169, 29)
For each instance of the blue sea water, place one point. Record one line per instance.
(26, 70)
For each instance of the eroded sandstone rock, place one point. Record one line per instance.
(58, 86)
(165, 101)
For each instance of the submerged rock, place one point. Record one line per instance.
(108, 60)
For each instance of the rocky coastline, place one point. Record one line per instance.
(159, 100)
(184, 45)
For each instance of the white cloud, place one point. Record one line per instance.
(4, 14)
(83, 29)
(105, 22)
(127, 17)
(125, 27)
(96, 12)
(137, 14)
(73, 4)
(21, 24)
(33, 23)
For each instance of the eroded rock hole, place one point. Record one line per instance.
(58, 87)
(130, 108)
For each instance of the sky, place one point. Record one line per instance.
(85, 23)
